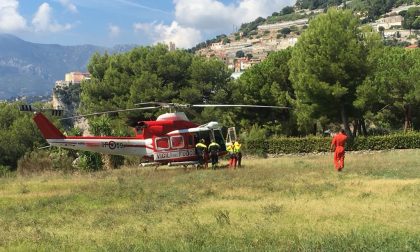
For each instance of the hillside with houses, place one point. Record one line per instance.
(254, 41)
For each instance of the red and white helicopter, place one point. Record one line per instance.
(170, 139)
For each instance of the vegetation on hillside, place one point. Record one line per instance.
(372, 10)
(316, 4)
(219, 38)
(411, 18)
(246, 28)
(375, 8)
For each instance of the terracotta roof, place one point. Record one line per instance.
(412, 46)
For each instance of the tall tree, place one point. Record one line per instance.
(394, 84)
(153, 74)
(267, 83)
(411, 18)
(328, 63)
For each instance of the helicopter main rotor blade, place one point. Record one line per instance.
(149, 103)
(182, 105)
(108, 112)
(237, 105)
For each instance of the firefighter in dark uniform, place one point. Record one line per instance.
(214, 153)
(237, 150)
(201, 151)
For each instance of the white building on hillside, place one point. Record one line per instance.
(388, 22)
(278, 26)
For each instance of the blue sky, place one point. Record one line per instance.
(110, 22)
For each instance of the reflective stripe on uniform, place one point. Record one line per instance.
(201, 145)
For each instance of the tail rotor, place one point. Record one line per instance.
(30, 108)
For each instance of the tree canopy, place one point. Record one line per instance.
(18, 134)
(411, 18)
(267, 84)
(392, 86)
(153, 74)
(328, 63)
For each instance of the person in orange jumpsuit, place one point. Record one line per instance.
(232, 155)
(337, 145)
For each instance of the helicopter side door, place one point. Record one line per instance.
(182, 147)
(172, 148)
(211, 135)
(218, 137)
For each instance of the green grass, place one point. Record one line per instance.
(288, 203)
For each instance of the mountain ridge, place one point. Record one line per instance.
(28, 68)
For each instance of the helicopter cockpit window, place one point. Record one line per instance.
(162, 143)
(203, 135)
(177, 142)
(190, 140)
(219, 139)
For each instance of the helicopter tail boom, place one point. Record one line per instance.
(48, 130)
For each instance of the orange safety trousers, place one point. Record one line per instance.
(232, 162)
(339, 158)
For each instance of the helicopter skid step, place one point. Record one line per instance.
(183, 163)
(186, 163)
(150, 164)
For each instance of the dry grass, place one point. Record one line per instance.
(286, 203)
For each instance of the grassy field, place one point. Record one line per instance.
(279, 204)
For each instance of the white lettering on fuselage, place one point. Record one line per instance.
(174, 154)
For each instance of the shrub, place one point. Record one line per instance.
(41, 160)
(5, 171)
(285, 30)
(34, 162)
(89, 161)
(409, 140)
(256, 140)
(286, 145)
(62, 159)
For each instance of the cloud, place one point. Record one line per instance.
(217, 16)
(197, 19)
(114, 30)
(69, 5)
(10, 19)
(183, 37)
(43, 22)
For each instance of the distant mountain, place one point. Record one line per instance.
(31, 69)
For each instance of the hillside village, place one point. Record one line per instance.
(240, 51)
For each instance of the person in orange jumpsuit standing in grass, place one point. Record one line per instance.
(337, 145)
(232, 155)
